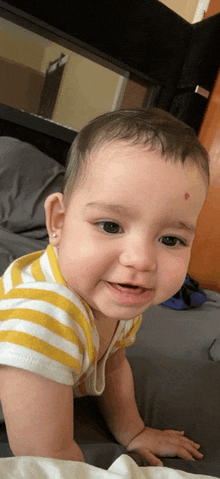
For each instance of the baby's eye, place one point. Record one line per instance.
(110, 227)
(172, 241)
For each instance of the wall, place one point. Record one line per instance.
(20, 45)
(87, 88)
(20, 85)
(21, 55)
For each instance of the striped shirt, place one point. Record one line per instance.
(47, 329)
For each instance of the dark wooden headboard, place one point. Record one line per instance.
(144, 37)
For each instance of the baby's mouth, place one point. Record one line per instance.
(132, 286)
(128, 287)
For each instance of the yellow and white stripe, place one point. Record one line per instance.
(38, 313)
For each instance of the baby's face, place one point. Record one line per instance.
(132, 222)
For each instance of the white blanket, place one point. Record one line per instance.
(123, 468)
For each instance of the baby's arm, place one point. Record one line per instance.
(117, 403)
(119, 409)
(38, 414)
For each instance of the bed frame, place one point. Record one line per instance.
(48, 136)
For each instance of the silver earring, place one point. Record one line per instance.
(53, 235)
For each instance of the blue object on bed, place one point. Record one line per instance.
(189, 296)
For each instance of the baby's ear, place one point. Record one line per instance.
(55, 212)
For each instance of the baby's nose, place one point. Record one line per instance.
(140, 256)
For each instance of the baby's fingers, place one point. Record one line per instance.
(179, 438)
(190, 454)
(150, 458)
(193, 450)
(192, 443)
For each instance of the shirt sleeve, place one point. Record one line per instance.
(44, 331)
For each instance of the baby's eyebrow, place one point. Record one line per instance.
(114, 208)
(181, 225)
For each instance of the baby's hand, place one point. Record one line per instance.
(153, 442)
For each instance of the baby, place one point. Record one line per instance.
(120, 234)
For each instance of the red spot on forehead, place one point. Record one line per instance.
(186, 196)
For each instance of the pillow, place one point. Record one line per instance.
(27, 177)
(13, 246)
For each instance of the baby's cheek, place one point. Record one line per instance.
(176, 273)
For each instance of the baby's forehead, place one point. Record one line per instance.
(114, 149)
(108, 150)
(107, 157)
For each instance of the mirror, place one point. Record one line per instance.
(86, 87)
(60, 81)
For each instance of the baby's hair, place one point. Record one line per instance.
(153, 128)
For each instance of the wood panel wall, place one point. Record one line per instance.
(205, 259)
